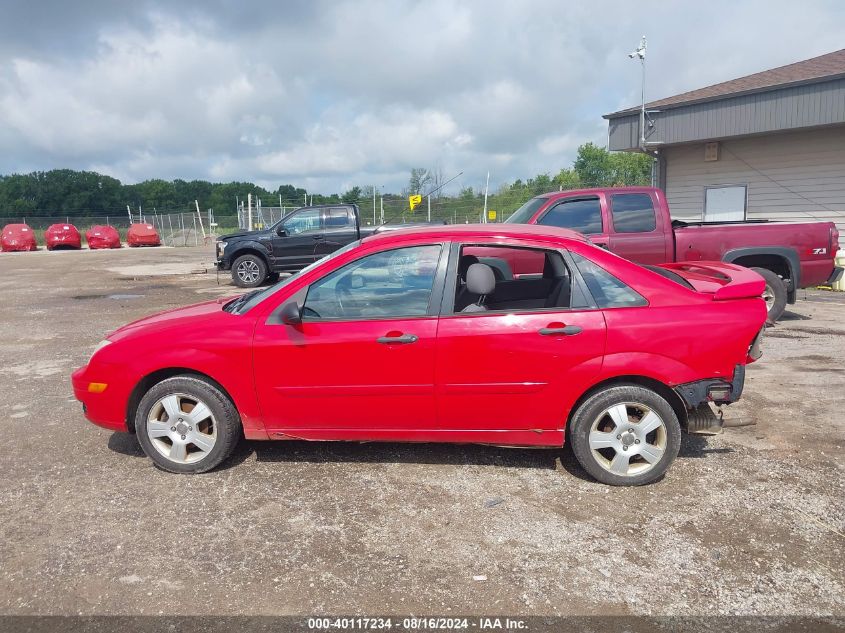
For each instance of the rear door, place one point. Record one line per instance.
(340, 227)
(511, 373)
(634, 230)
(585, 214)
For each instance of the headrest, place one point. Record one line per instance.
(480, 279)
(463, 265)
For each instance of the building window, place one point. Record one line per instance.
(725, 203)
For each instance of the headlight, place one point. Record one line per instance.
(221, 246)
(100, 346)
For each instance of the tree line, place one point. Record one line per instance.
(66, 192)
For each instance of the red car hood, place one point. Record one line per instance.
(175, 317)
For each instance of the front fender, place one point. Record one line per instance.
(222, 368)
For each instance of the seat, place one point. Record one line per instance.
(463, 298)
(481, 281)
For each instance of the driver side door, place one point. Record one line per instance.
(361, 363)
(298, 245)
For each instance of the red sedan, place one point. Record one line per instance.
(423, 335)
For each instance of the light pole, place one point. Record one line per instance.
(640, 53)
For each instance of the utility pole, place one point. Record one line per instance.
(640, 53)
(249, 211)
(486, 188)
(428, 197)
(382, 208)
(374, 205)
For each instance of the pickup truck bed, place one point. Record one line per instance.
(635, 223)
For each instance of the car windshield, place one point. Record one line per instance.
(524, 213)
(248, 301)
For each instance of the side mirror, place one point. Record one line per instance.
(291, 313)
(281, 232)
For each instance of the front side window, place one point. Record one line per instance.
(632, 213)
(607, 290)
(524, 213)
(303, 222)
(389, 284)
(582, 215)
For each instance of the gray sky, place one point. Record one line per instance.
(327, 95)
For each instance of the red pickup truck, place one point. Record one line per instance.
(634, 222)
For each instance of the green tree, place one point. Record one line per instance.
(353, 195)
(419, 180)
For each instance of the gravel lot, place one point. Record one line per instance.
(749, 522)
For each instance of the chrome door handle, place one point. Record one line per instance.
(404, 339)
(567, 330)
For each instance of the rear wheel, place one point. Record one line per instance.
(774, 294)
(249, 271)
(625, 435)
(187, 425)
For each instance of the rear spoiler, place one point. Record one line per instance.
(725, 281)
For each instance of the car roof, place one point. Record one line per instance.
(476, 231)
(594, 191)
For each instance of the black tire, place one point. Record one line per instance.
(776, 289)
(225, 419)
(273, 278)
(581, 425)
(249, 271)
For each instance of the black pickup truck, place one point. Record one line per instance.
(298, 239)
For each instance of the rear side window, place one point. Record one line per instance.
(632, 213)
(582, 215)
(338, 218)
(607, 290)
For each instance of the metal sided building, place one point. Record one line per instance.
(767, 146)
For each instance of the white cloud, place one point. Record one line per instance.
(330, 94)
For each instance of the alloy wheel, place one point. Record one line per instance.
(182, 428)
(769, 297)
(628, 439)
(248, 272)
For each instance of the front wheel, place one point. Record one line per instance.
(774, 294)
(187, 425)
(625, 435)
(249, 271)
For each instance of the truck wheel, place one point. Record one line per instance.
(625, 435)
(774, 294)
(249, 271)
(187, 425)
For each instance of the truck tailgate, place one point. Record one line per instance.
(724, 281)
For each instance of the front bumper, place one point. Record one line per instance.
(108, 408)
